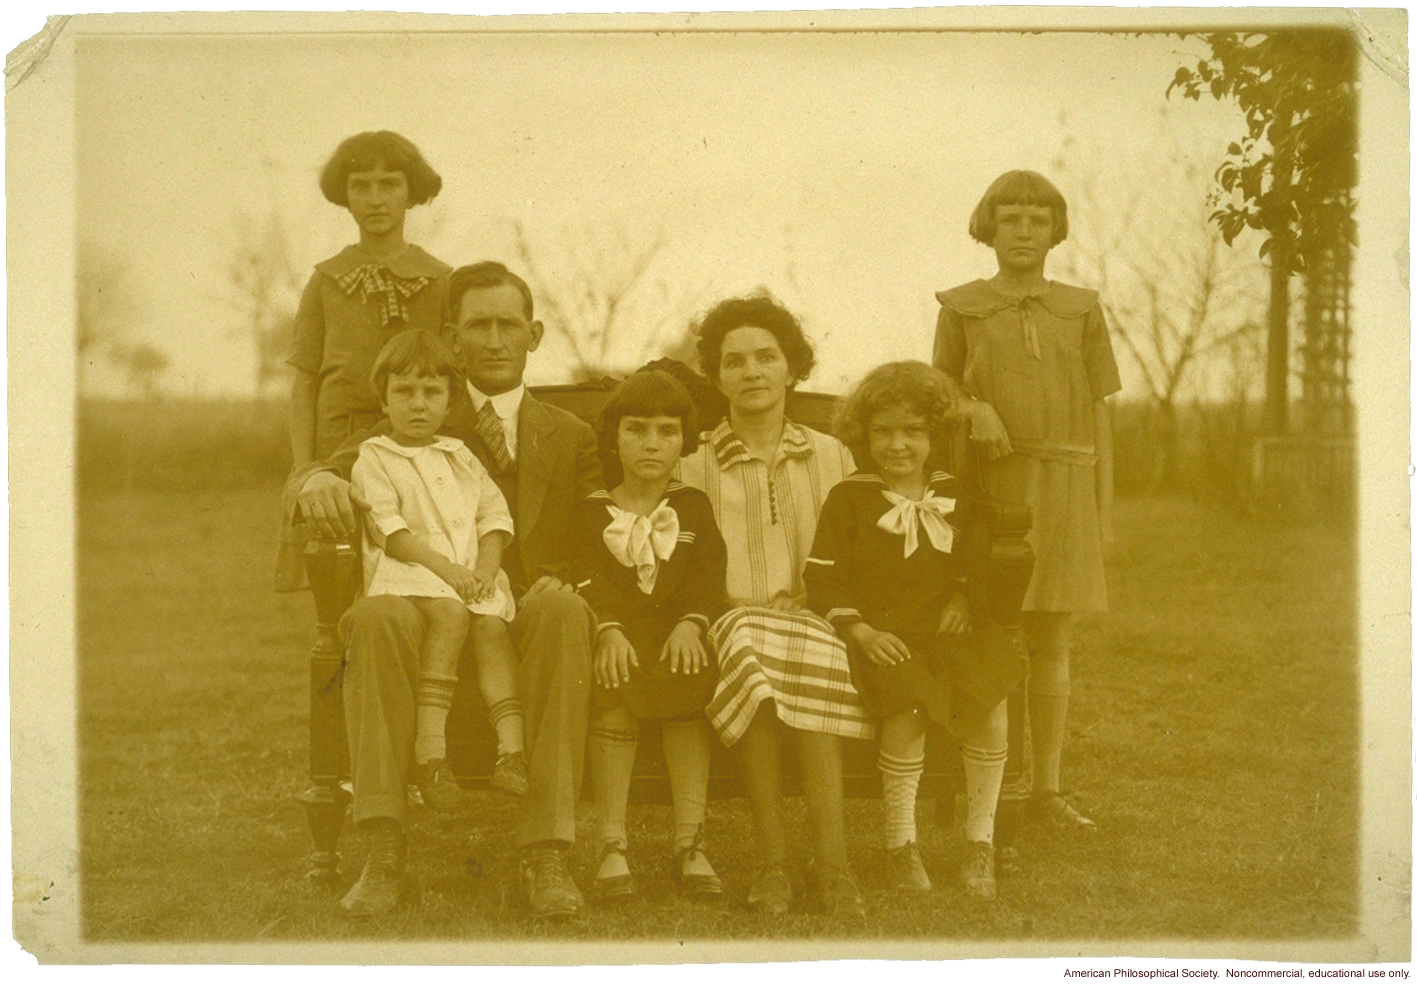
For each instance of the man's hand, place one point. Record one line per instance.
(543, 585)
(328, 504)
(987, 430)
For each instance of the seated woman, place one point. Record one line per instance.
(783, 672)
(648, 558)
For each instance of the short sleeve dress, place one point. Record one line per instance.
(1041, 361)
(351, 307)
(443, 494)
(768, 516)
(859, 571)
(688, 585)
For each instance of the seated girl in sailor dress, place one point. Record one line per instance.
(897, 551)
(649, 559)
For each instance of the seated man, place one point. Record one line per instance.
(544, 460)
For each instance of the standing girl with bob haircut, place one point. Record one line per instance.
(359, 299)
(898, 567)
(648, 558)
(1035, 358)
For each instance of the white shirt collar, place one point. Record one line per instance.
(506, 404)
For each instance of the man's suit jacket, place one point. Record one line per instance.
(558, 465)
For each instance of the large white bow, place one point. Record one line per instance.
(643, 542)
(907, 515)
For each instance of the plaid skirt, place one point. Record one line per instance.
(794, 659)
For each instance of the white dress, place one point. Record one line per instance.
(442, 494)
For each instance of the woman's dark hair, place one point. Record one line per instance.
(647, 394)
(1018, 188)
(414, 351)
(373, 148)
(764, 312)
(910, 384)
(483, 274)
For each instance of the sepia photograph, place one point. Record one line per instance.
(711, 487)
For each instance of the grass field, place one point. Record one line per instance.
(1214, 735)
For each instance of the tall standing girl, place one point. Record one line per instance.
(363, 296)
(1035, 357)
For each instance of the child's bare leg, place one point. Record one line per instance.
(1049, 641)
(686, 753)
(614, 737)
(902, 762)
(447, 622)
(985, 749)
(496, 662)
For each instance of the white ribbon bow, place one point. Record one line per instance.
(908, 515)
(643, 542)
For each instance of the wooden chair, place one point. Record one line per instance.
(333, 568)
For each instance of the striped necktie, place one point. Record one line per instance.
(489, 427)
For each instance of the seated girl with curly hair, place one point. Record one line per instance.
(896, 568)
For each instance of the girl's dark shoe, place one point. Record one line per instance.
(616, 889)
(438, 787)
(696, 887)
(771, 893)
(976, 871)
(905, 870)
(1057, 812)
(509, 774)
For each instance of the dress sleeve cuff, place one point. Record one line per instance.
(388, 525)
(844, 615)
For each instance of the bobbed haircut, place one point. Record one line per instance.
(373, 148)
(414, 351)
(910, 384)
(483, 274)
(760, 310)
(1018, 188)
(647, 394)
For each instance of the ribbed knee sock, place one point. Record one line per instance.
(686, 754)
(612, 761)
(900, 780)
(434, 699)
(983, 773)
(510, 723)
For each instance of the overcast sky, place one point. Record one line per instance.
(837, 170)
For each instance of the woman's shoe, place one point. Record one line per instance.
(771, 893)
(1057, 812)
(976, 870)
(833, 891)
(696, 887)
(905, 870)
(616, 889)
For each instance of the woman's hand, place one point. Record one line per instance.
(613, 657)
(784, 604)
(685, 649)
(986, 429)
(880, 647)
(955, 618)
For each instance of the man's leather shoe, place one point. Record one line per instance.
(382, 881)
(546, 882)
